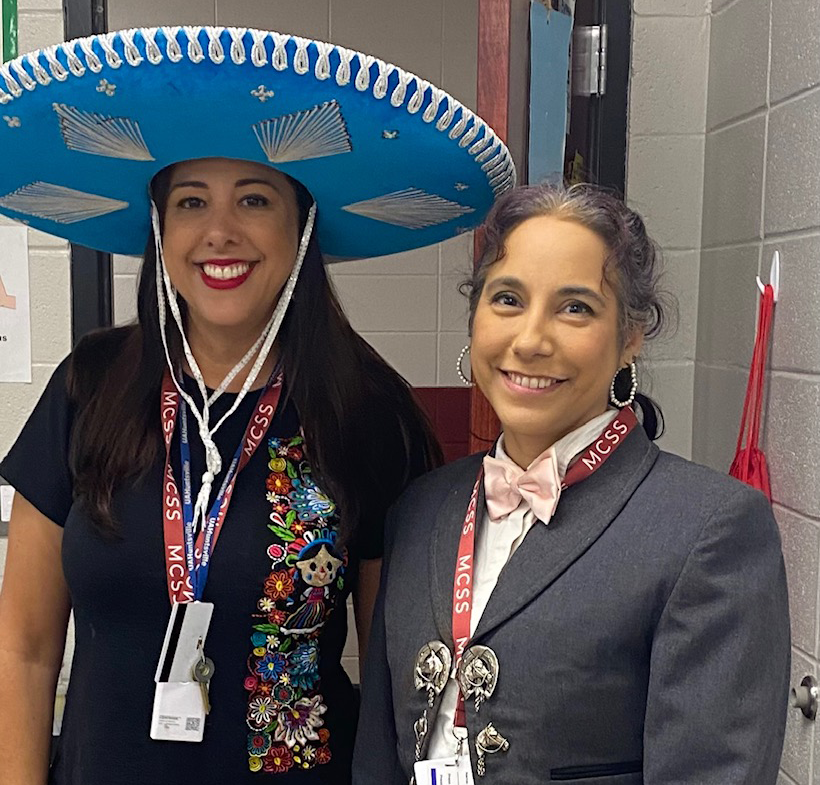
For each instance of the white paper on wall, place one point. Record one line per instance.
(15, 307)
(6, 497)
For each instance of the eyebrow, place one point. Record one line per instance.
(564, 291)
(238, 184)
(581, 291)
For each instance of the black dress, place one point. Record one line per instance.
(121, 606)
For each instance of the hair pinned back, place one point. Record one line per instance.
(633, 266)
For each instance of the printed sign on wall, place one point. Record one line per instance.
(8, 30)
(15, 314)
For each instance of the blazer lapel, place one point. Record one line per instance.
(444, 546)
(584, 512)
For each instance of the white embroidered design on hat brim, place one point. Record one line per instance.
(410, 208)
(221, 44)
(309, 133)
(98, 134)
(58, 203)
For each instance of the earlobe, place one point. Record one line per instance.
(632, 349)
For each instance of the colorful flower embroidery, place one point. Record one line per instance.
(259, 743)
(304, 664)
(277, 464)
(279, 484)
(310, 502)
(307, 578)
(283, 693)
(262, 712)
(277, 760)
(266, 605)
(271, 666)
(279, 585)
(297, 724)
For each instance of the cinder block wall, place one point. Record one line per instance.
(667, 126)
(762, 192)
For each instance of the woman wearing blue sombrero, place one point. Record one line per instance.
(228, 415)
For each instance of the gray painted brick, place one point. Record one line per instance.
(793, 413)
(738, 61)
(669, 75)
(718, 402)
(727, 306)
(795, 46)
(796, 339)
(793, 166)
(733, 183)
(672, 387)
(680, 279)
(801, 551)
(671, 7)
(665, 184)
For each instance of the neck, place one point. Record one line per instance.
(217, 352)
(524, 448)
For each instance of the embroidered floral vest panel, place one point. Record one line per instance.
(305, 584)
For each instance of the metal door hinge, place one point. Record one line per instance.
(589, 60)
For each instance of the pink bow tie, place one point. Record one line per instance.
(506, 484)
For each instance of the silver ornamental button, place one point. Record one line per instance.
(478, 674)
(433, 663)
(488, 742)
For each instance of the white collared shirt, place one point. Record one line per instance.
(496, 542)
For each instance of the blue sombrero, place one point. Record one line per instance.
(393, 162)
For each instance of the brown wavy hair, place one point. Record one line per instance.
(349, 400)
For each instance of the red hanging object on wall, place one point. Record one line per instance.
(750, 465)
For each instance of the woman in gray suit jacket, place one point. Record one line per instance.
(576, 606)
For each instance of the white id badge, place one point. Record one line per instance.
(444, 771)
(179, 707)
(179, 712)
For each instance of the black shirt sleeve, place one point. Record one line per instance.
(37, 464)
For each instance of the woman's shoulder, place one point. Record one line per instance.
(705, 492)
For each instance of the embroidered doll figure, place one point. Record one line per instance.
(317, 570)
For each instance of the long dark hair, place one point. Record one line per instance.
(633, 267)
(350, 401)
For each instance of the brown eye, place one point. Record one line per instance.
(190, 202)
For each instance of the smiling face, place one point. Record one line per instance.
(230, 239)
(545, 342)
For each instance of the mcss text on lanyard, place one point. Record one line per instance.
(188, 554)
(588, 463)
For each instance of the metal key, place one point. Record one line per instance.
(203, 672)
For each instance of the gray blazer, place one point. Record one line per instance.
(643, 636)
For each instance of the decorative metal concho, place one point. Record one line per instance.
(478, 674)
(433, 664)
(488, 742)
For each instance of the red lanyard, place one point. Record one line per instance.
(587, 464)
(178, 574)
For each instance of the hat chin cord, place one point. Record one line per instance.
(261, 348)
